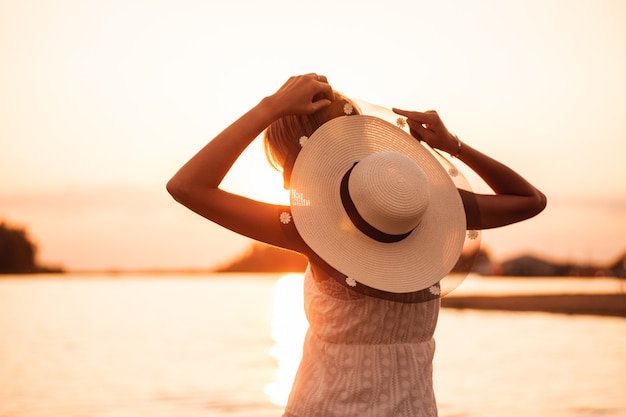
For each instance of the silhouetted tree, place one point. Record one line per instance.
(17, 252)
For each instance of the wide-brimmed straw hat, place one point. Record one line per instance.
(376, 205)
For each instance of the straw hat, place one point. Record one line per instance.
(376, 205)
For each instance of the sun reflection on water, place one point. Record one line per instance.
(289, 326)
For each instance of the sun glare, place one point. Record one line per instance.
(252, 176)
(289, 326)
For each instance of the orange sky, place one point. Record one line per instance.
(102, 101)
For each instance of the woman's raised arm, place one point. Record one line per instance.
(196, 184)
(515, 198)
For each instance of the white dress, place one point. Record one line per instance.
(364, 356)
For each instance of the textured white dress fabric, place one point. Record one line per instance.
(364, 356)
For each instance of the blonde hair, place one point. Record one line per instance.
(282, 138)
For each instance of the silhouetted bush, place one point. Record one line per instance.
(264, 258)
(17, 252)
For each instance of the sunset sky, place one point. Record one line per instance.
(102, 101)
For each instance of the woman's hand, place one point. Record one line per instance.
(427, 126)
(302, 94)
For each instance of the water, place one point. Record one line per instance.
(129, 346)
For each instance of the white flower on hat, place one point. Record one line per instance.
(348, 109)
(472, 234)
(302, 140)
(285, 218)
(351, 281)
(435, 290)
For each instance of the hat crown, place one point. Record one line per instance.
(390, 192)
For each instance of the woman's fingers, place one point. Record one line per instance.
(429, 117)
(322, 78)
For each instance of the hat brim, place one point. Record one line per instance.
(413, 264)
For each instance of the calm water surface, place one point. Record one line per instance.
(227, 346)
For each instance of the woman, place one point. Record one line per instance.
(391, 227)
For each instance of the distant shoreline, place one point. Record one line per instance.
(591, 304)
(607, 304)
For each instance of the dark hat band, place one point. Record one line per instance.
(358, 221)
